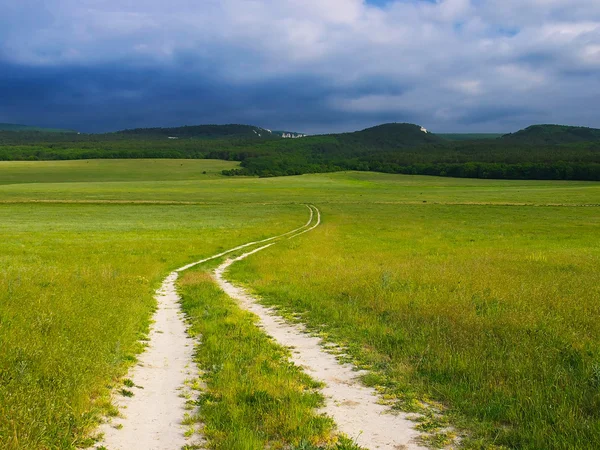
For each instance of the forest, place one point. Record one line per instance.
(537, 152)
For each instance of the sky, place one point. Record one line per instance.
(312, 66)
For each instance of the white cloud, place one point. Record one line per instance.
(469, 87)
(591, 54)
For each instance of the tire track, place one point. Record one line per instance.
(355, 408)
(152, 417)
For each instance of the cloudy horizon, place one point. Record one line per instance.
(311, 66)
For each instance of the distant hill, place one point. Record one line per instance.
(545, 152)
(201, 132)
(553, 134)
(19, 127)
(391, 136)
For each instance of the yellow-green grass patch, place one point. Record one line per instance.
(101, 170)
(490, 310)
(76, 296)
(253, 398)
(431, 283)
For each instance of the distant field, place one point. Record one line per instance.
(480, 294)
(12, 172)
(133, 184)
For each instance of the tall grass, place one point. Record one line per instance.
(490, 310)
(19, 172)
(350, 187)
(76, 295)
(254, 397)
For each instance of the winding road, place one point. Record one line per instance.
(152, 416)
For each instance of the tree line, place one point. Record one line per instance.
(383, 149)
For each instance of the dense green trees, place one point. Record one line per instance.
(392, 148)
(554, 134)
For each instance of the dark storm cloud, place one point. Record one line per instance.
(104, 98)
(312, 66)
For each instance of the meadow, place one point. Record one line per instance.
(491, 311)
(477, 296)
(110, 170)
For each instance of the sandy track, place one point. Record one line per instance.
(354, 407)
(151, 419)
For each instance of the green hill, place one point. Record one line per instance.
(390, 136)
(553, 134)
(405, 148)
(19, 127)
(200, 132)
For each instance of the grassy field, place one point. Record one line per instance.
(490, 310)
(341, 187)
(76, 288)
(18, 172)
(253, 398)
(478, 294)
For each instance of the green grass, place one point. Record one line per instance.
(477, 294)
(342, 187)
(76, 294)
(254, 398)
(490, 310)
(17, 172)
